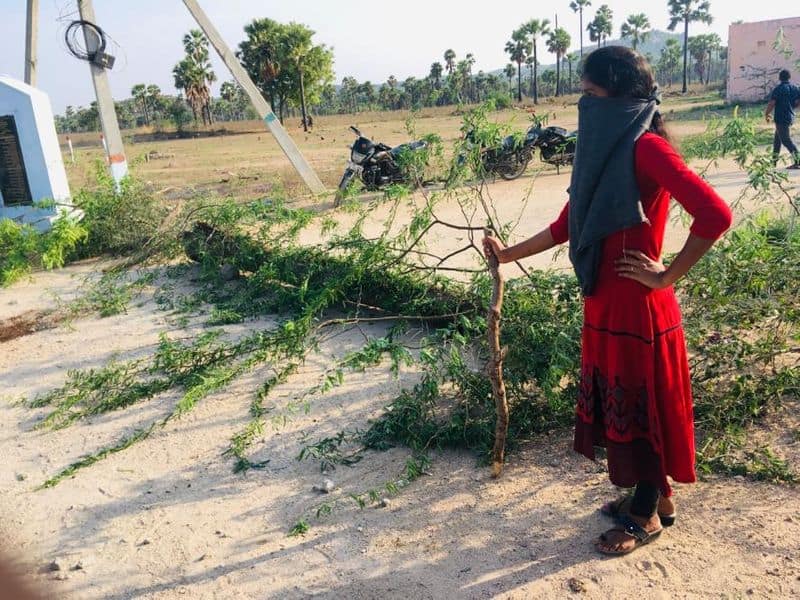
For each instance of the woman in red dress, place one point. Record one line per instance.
(635, 394)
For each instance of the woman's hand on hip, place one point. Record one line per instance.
(491, 245)
(638, 266)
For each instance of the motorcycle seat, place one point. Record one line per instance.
(412, 146)
(508, 143)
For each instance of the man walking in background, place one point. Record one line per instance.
(783, 100)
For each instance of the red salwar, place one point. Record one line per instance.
(635, 395)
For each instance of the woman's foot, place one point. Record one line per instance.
(633, 532)
(622, 506)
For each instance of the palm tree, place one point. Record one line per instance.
(572, 59)
(518, 49)
(604, 18)
(688, 11)
(637, 27)
(470, 62)
(450, 61)
(436, 74)
(139, 95)
(594, 31)
(714, 45)
(194, 74)
(536, 28)
(153, 94)
(529, 63)
(509, 73)
(669, 60)
(558, 43)
(578, 6)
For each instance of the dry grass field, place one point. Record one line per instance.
(242, 159)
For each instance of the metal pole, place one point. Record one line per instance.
(105, 102)
(286, 143)
(31, 40)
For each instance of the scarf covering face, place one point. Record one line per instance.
(603, 193)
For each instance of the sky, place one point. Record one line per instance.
(370, 40)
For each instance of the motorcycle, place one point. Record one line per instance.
(556, 145)
(376, 164)
(511, 157)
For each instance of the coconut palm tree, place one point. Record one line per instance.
(636, 27)
(518, 49)
(578, 6)
(688, 11)
(536, 28)
(558, 43)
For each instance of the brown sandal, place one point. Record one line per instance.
(616, 509)
(632, 529)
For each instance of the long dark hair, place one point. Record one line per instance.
(624, 73)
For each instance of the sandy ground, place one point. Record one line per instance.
(167, 518)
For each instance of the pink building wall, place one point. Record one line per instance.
(753, 60)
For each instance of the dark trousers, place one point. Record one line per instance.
(783, 137)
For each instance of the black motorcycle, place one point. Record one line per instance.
(508, 159)
(376, 164)
(556, 145)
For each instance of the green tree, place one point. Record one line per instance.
(450, 60)
(509, 72)
(536, 28)
(284, 62)
(688, 11)
(669, 61)
(436, 75)
(558, 43)
(604, 22)
(637, 28)
(153, 100)
(578, 6)
(366, 91)
(139, 95)
(701, 49)
(529, 63)
(518, 49)
(194, 75)
(572, 58)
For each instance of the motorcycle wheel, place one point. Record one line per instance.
(511, 172)
(346, 178)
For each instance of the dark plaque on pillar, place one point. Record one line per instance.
(13, 178)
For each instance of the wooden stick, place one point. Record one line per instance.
(495, 365)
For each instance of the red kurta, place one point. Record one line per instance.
(635, 395)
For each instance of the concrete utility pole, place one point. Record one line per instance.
(264, 111)
(105, 102)
(31, 40)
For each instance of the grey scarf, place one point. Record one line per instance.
(603, 193)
